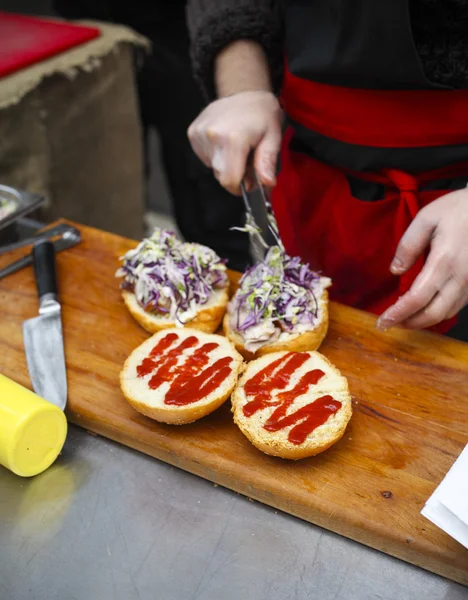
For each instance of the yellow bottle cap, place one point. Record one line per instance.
(32, 431)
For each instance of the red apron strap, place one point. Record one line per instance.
(379, 118)
(408, 208)
(408, 186)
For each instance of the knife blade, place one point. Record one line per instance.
(258, 245)
(259, 213)
(43, 335)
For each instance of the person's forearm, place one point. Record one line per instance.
(242, 66)
(217, 28)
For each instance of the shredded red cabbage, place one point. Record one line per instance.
(170, 277)
(279, 294)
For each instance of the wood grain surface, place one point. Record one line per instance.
(410, 418)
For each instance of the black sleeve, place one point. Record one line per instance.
(213, 24)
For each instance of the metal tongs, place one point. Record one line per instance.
(67, 237)
(263, 230)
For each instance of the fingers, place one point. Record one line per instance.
(250, 179)
(444, 305)
(224, 134)
(266, 155)
(200, 144)
(227, 155)
(428, 283)
(229, 162)
(225, 152)
(414, 241)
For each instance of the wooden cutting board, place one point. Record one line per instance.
(410, 417)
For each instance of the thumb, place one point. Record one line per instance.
(266, 156)
(414, 241)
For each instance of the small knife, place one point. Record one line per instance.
(70, 237)
(54, 231)
(43, 335)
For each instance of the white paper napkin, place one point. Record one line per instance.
(448, 506)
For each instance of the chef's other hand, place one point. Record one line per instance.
(225, 133)
(440, 291)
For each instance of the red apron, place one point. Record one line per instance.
(351, 240)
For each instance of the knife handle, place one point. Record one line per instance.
(43, 254)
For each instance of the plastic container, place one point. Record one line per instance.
(32, 430)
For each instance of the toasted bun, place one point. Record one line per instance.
(151, 402)
(208, 319)
(276, 443)
(292, 342)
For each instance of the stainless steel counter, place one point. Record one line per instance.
(108, 523)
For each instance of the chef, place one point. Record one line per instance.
(374, 157)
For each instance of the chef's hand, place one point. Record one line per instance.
(225, 133)
(440, 291)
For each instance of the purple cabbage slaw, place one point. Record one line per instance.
(280, 293)
(172, 278)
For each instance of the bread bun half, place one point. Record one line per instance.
(207, 319)
(292, 405)
(169, 283)
(180, 375)
(291, 342)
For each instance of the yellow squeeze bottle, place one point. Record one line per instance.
(32, 430)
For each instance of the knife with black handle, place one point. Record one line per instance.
(43, 335)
